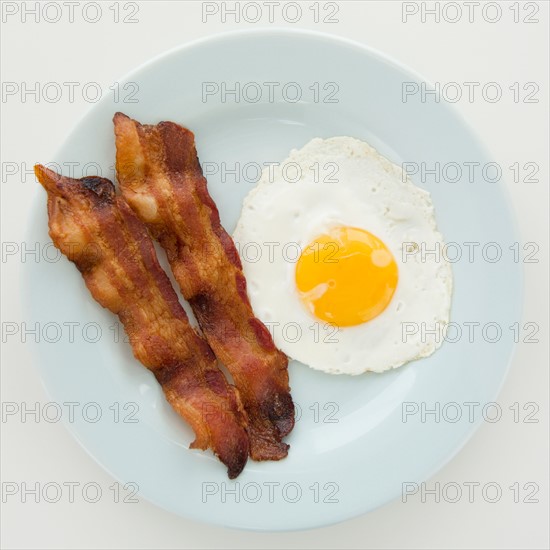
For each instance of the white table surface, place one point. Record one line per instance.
(505, 452)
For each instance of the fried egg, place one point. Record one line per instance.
(339, 249)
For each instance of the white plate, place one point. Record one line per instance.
(335, 470)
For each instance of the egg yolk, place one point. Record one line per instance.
(346, 277)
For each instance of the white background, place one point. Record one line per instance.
(504, 452)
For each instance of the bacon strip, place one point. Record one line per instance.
(110, 246)
(161, 179)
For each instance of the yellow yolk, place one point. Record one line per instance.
(346, 277)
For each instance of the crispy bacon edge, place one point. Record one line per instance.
(110, 246)
(161, 179)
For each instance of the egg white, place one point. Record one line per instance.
(281, 217)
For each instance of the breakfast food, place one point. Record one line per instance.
(342, 275)
(161, 179)
(110, 246)
(340, 266)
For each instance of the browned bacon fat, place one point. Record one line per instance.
(110, 246)
(161, 179)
